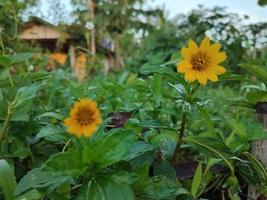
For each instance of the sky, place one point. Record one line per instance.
(174, 7)
(242, 7)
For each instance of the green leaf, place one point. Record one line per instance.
(217, 153)
(7, 180)
(111, 148)
(196, 181)
(52, 133)
(157, 89)
(31, 195)
(105, 188)
(52, 115)
(238, 128)
(254, 97)
(207, 120)
(66, 163)
(150, 124)
(26, 94)
(139, 148)
(180, 89)
(259, 72)
(20, 57)
(5, 61)
(164, 168)
(161, 188)
(165, 71)
(262, 2)
(38, 179)
(257, 165)
(229, 76)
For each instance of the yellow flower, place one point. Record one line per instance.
(58, 57)
(84, 118)
(201, 63)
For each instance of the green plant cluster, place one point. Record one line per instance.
(135, 161)
(161, 137)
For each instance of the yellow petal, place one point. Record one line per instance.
(218, 58)
(192, 46)
(89, 130)
(184, 66)
(212, 76)
(191, 76)
(202, 78)
(205, 44)
(215, 48)
(217, 69)
(186, 54)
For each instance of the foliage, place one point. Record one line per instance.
(162, 138)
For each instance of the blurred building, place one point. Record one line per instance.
(59, 43)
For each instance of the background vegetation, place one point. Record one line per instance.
(142, 100)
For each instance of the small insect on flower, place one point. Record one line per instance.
(84, 118)
(201, 63)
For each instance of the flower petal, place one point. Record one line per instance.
(184, 66)
(191, 76)
(186, 54)
(89, 130)
(215, 48)
(217, 69)
(218, 58)
(192, 46)
(202, 78)
(212, 76)
(205, 44)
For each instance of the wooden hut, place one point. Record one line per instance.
(63, 43)
(51, 38)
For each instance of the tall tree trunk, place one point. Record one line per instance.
(259, 149)
(72, 56)
(91, 8)
(118, 59)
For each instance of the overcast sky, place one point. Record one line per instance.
(173, 7)
(243, 7)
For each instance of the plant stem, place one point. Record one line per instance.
(2, 44)
(182, 128)
(66, 145)
(3, 132)
(181, 134)
(10, 79)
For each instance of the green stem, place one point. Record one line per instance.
(182, 128)
(2, 45)
(10, 79)
(66, 145)
(180, 140)
(3, 132)
(15, 25)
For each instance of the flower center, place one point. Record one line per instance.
(85, 116)
(199, 61)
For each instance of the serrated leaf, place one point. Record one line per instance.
(111, 148)
(69, 163)
(159, 188)
(37, 178)
(105, 188)
(139, 148)
(52, 133)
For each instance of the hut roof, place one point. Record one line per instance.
(38, 29)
